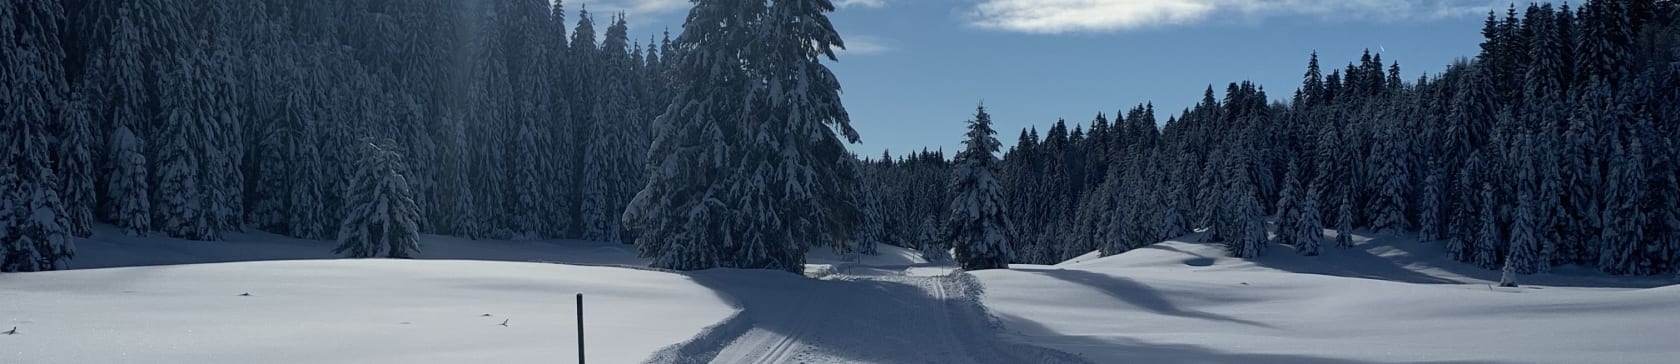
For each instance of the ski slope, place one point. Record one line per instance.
(1385, 301)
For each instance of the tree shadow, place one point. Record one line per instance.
(1401, 257)
(854, 320)
(1356, 262)
(1118, 349)
(1140, 295)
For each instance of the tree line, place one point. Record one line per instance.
(194, 118)
(1557, 144)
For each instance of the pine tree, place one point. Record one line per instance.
(34, 232)
(1487, 236)
(382, 217)
(1430, 210)
(1344, 222)
(1624, 228)
(1525, 251)
(1390, 203)
(1308, 229)
(681, 214)
(181, 211)
(1289, 209)
(978, 226)
(75, 165)
(1246, 218)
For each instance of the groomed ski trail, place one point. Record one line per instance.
(886, 317)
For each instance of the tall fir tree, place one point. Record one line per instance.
(382, 219)
(978, 226)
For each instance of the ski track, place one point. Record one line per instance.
(877, 318)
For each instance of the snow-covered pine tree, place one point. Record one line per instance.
(304, 190)
(1461, 239)
(680, 215)
(1246, 217)
(978, 226)
(1289, 208)
(34, 235)
(1624, 220)
(1429, 202)
(1344, 221)
(179, 198)
(930, 241)
(1173, 221)
(382, 217)
(611, 142)
(1508, 275)
(1487, 235)
(1525, 255)
(1308, 229)
(1390, 202)
(75, 164)
(128, 187)
(793, 114)
(872, 222)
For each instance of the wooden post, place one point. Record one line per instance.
(580, 327)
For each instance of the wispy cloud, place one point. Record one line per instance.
(863, 45)
(862, 3)
(648, 6)
(1060, 16)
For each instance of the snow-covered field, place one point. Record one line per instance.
(1387, 301)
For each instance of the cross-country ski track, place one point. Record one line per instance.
(880, 316)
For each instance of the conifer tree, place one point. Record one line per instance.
(75, 165)
(34, 232)
(1344, 222)
(1289, 209)
(1308, 229)
(978, 226)
(382, 219)
(1488, 236)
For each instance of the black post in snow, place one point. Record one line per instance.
(580, 327)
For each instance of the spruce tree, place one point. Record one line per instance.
(1289, 209)
(1430, 210)
(34, 232)
(1308, 230)
(75, 165)
(1487, 235)
(681, 214)
(1624, 229)
(978, 226)
(130, 208)
(382, 218)
(1344, 222)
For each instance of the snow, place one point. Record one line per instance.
(1388, 300)
(347, 311)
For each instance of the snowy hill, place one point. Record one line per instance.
(1378, 302)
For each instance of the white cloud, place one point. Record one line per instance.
(654, 6)
(1059, 16)
(863, 3)
(863, 45)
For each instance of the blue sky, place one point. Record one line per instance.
(916, 68)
